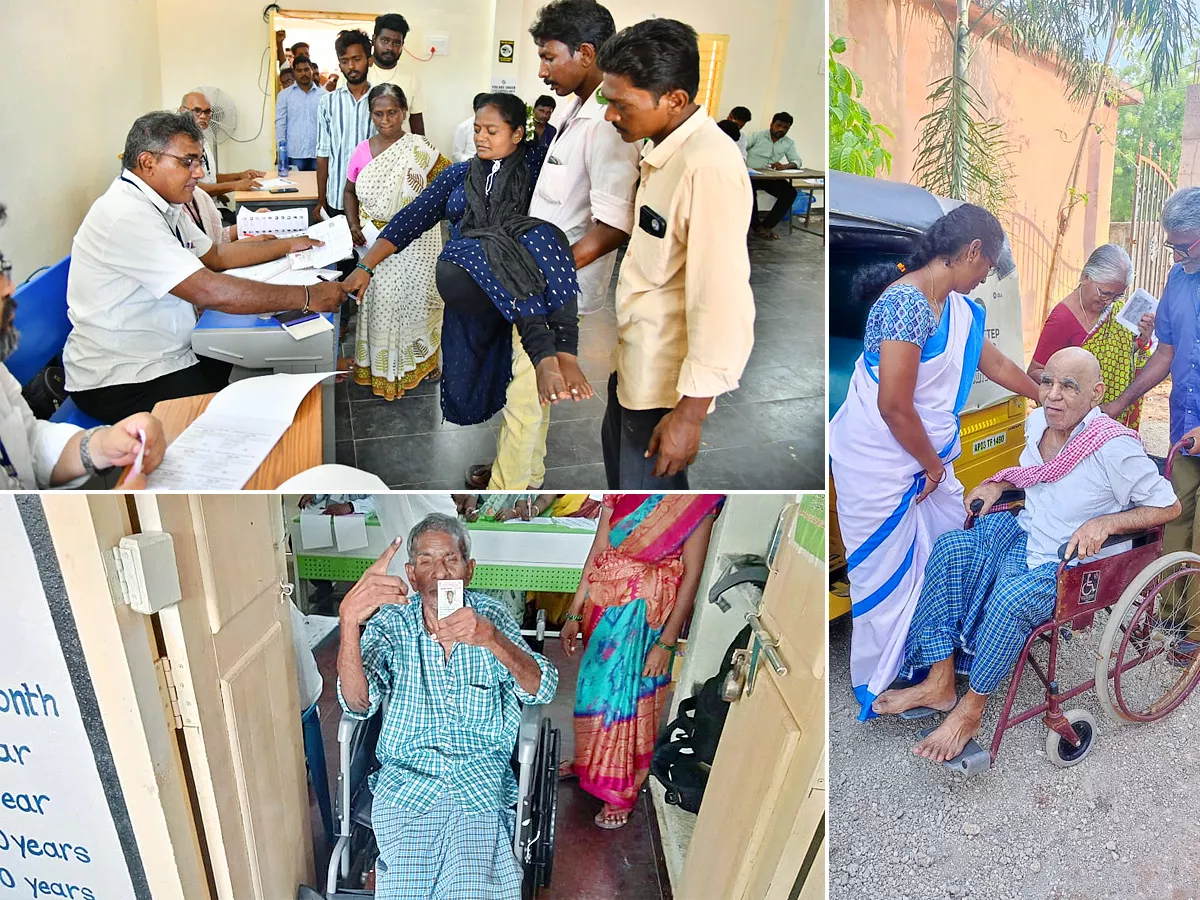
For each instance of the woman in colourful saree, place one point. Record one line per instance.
(400, 318)
(636, 594)
(893, 443)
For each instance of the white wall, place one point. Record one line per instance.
(776, 54)
(225, 47)
(64, 117)
(744, 526)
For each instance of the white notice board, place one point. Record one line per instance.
(57, 837)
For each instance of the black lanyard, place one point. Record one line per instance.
(9, 468)
(174, 229)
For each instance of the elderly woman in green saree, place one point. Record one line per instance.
(636, 595)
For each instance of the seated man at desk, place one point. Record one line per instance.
(214, 183)
(772, 150)
(140, 271)
(443, 798)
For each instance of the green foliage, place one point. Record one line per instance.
(962, 151)
(855, 139)
(1157, 124)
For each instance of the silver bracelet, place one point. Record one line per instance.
(85, 455)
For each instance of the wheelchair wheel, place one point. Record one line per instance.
(1140, 674)
(1062, 752)
(539, 863)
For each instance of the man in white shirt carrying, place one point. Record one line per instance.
(388, 66)
(586, 188)
(140, 271)
(463, 147)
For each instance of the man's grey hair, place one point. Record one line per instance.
(153, 133)
(1181, 212)
(197, 92)
(1109, 263)
(442, 524)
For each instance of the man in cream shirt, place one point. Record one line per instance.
(586, 188)
(388, 66)
(685, 312)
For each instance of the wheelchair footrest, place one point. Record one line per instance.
(919, 712)
(974, 759)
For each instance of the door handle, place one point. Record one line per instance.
(735, 678)
(768, 643)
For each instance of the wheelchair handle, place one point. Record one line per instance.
(1184, 446)
(976, 507)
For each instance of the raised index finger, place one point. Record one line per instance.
(380, 566)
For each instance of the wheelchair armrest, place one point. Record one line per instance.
(1145, 535)
(1016, 495)
(347, 727)
(527, 734)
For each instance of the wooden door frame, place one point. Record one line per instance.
(120, 647)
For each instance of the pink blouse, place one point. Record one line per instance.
(358, 160)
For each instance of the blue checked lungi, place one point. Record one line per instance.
(445, 853)
(980, 598)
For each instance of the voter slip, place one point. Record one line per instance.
(449, 597)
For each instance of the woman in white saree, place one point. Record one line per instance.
(893, 443)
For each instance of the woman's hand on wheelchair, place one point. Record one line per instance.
(374, 589)
(988, 493)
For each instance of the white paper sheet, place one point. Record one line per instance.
(350, 531)
(336, 245)
(302, 330)
(577, 522)
(371, 233)
(268, 183)
(297, 276)
(1138, 304)
(315, 532)
(283, 223)
(263, 271)
(231, 438)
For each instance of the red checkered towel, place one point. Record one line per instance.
(1098, 432)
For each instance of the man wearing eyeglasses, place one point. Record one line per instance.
(213, 183)
(1178, 355)
(140, 271)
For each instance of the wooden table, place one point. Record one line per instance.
(298, 450)
(807, 180)
(306, 196)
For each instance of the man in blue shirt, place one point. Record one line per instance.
(444, 794)
(1178, 354)
(296, 116)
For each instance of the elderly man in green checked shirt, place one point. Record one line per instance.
(444, 795)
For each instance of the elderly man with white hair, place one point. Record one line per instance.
(1087, 317)
(986, 589)
(1178, 355)
(455, 682)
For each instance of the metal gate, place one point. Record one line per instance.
(1151, 188)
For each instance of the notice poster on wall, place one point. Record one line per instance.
(57, 836)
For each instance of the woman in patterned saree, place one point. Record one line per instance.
(400, 318)
(1087, 318)
(637, 593)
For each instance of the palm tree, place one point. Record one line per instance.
(963, 152)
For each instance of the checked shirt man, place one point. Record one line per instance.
(444, 795)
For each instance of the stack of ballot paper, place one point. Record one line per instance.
(318, 530)
(306, 266)
(283, 223)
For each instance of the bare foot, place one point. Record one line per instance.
(931, 692)
(948, 739)
(551, 385)
(577, 383)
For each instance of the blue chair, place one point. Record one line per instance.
(314, 758)
(42, 320)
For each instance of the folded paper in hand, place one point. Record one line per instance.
(1140, 303)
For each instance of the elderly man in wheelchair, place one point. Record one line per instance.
(1086, 478)
(443, 795)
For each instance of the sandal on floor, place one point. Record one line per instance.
(1183, 653)
(434, 376)
(479, 476)
(566, 771)
(610, 818)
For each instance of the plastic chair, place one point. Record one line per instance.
(42, 320)
(314, 758)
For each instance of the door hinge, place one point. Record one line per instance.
(169, 693)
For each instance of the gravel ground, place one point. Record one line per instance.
(1124, 824)
(1155, 425)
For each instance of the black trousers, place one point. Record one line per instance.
(784, 194)
(119, 401)
(624, 437)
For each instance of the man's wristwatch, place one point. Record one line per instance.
(85, 455)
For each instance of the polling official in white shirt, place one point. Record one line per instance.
(141, 271)
(586, 188)
(36, 454)
(463, 147)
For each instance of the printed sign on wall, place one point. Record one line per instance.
(57, 838)
(507, 50)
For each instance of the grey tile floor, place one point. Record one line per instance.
(769, 434)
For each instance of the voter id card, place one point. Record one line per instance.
(449, 597)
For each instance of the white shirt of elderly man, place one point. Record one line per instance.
(986, 589)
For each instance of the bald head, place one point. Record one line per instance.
(1071, 386)
(196, 103)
